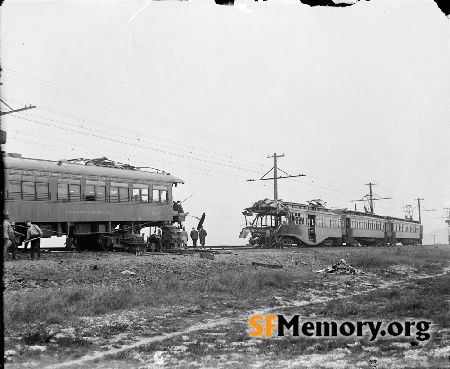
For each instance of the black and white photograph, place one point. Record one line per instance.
(225, 183)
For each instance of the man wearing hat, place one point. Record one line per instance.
(194, 236)
(34, 235)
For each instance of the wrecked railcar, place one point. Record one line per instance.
(278, 223)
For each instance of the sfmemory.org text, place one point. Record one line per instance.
(265, 325)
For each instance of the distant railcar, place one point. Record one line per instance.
(95, 206)
(284, 223)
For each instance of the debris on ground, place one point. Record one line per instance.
(128, 272)
(341, 267)
(274, 266)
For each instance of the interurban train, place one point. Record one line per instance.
(95, 203)
(277, 223)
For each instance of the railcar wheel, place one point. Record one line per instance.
(104, 243)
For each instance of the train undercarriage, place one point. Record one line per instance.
(115, 236)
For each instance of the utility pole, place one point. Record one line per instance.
(370, 197)
(275, 176)
(2, 132)
(448, 223)
(434, 239)
(275, 173)
(418, 205)
(370, 184)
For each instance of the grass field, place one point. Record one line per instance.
(47, 325)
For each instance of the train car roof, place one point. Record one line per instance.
(14, 162)
(384, 217)
(267, 207)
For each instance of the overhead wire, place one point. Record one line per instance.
(154, 139)
(157, 119)
(246, 146)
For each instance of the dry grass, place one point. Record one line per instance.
(420, 258)
(424, 298)
(56, 306)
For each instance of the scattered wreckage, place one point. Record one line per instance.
(341, 267)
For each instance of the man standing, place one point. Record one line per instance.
(194, 236)
(202, 234)
(34, 235)
(156, 239)
(15, 241)
(184, 237)
(8, 235)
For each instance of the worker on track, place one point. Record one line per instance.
(202, 235)
(184, 237)
(194, 236)
(34, 234)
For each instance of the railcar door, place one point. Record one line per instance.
(312, 228)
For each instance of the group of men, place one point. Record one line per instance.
(11, 238)
(195, 236)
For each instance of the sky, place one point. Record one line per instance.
(351, 96)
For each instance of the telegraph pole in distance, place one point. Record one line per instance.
(370, 197)
(275, 176)
(448, 223)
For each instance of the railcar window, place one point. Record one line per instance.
(123, 194)
(14, 190)
(164, 196)
(302, 219)
(114, 194)
(140, 193)
(95, 190)
(159, 194)
(74, 192)
(100, 193)
(89, 193)
(69, 189)
(28, 190)
(119, 192)
(42, 191)
(63, 192)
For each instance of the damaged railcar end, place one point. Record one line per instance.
(262, 222)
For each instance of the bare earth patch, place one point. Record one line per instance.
(182, 311)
